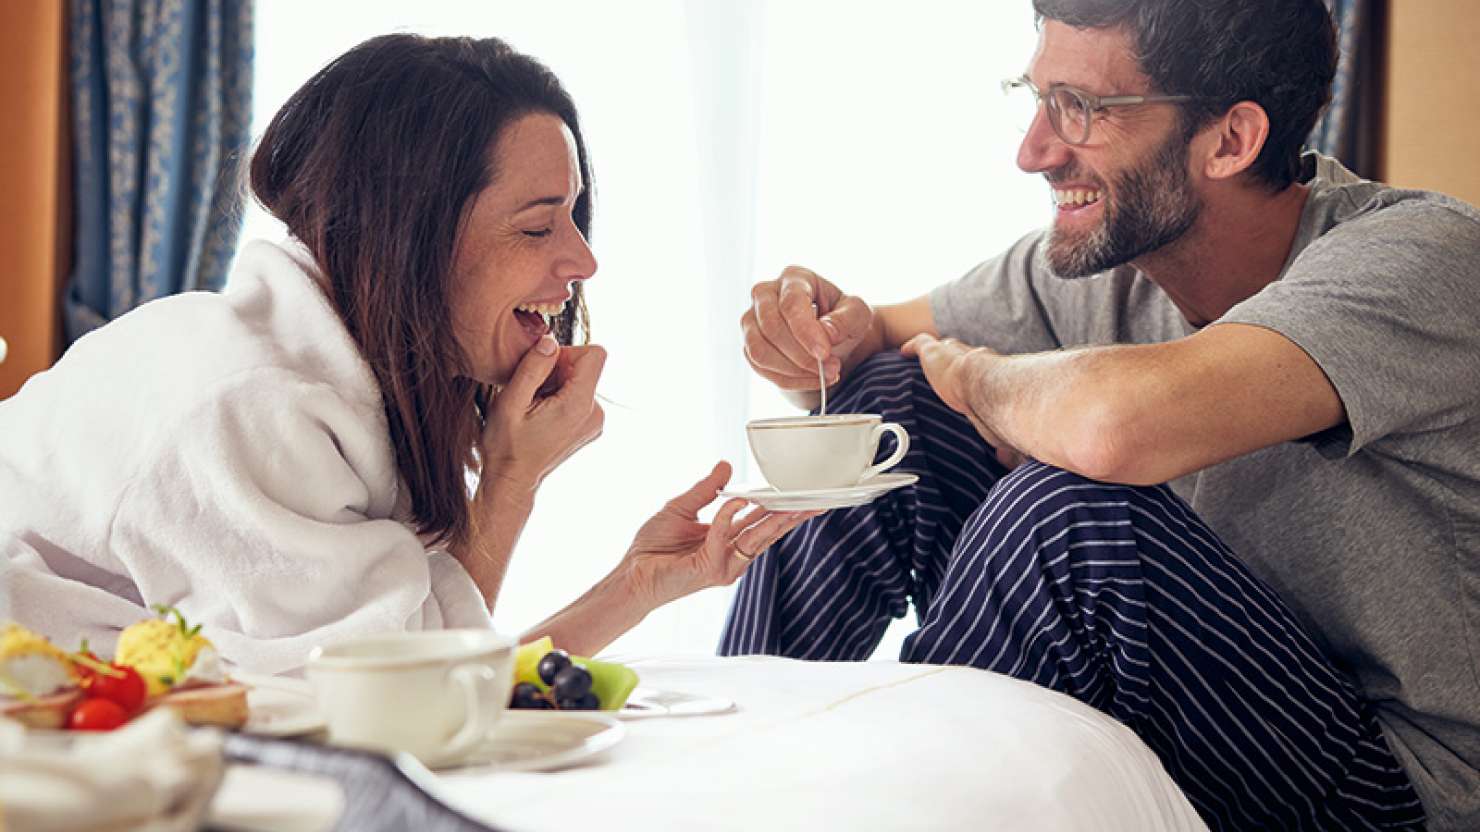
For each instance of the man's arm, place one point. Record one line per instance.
(1147, 414)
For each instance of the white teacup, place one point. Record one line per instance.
(806, 453)
(435, 693)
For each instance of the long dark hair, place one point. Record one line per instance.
(1280, 54)
(373, 165)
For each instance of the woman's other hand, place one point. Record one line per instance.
(674, 554)
(547, 412)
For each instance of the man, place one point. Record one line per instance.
(1246, 385)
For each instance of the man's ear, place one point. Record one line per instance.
(1235, 140)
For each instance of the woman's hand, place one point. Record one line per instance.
(674, 554)
(547, 412)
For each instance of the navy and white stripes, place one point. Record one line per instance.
(1117, 595)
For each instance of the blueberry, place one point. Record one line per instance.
(589, 702)
(572, 683)
(551, 665)
(527, 695)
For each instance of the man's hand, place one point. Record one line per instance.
(946, 363)
(797, 320)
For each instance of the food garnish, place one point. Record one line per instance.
(547, 678)
(163, 652)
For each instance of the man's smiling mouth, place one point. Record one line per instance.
(1076, 198)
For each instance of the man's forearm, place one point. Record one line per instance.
(1054, 407)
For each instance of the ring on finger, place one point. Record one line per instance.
(742, 554)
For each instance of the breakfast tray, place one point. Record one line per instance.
(380, 793)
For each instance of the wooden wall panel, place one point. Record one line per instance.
(1432, 97)
(33, 168)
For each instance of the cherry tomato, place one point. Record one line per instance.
(97, 715)
(127, 688)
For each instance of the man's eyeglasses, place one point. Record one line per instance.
(1071, 111)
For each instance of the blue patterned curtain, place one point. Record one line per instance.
(1348, 129)
(161, 104)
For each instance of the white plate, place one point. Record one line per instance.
(824, 498)
(541, 741)
(279, 706)
(650, 702)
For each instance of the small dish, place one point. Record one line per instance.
(645, 703)
(540, 741)
(824, 498)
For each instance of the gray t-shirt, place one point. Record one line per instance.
(1370, 531)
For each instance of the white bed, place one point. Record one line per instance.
(848, 746)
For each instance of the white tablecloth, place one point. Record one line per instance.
(868, 745)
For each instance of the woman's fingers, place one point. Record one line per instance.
(585, 370)
(703, 492)
(534, 368)
(756, 531)
(719, 528)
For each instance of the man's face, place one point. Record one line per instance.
(1127, 191)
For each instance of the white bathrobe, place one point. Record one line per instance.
(226, 454)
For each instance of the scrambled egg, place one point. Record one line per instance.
(30, 665)
(167, 655)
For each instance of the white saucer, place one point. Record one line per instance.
(824, 498)
(541, 741)
(650, 702)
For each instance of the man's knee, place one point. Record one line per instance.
(875, 385)
(888, 366)
(1056, 511)
(1035, 495)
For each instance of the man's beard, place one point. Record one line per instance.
(1153, 206)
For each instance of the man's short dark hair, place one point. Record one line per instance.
(1280, 54)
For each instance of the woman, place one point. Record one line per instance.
(289, 462)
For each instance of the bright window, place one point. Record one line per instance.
(728, 140)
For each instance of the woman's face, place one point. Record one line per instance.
(520, 252)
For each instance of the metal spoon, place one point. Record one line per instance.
(822, 385)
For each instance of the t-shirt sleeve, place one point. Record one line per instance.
(256, 521)
(1386, 305)
(997, 305)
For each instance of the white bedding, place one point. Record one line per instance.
(870, 745)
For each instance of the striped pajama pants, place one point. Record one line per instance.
(1116, 595)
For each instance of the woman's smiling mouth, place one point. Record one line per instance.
(536, 317)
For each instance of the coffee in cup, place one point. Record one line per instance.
(807, 453)
(435, 694)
